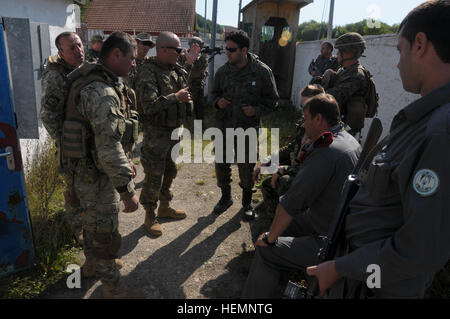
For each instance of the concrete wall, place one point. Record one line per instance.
(60, 17)
(381, 60)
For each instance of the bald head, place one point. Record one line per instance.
(168, 48)
(167, 39)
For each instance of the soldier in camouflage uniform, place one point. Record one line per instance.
(54, 93)
(164, 104)
(349, 85)
(277, 184)
(93, 53)
(99, 128)
(198, 71)
(244, 88)
(144, 43)
(324, 61)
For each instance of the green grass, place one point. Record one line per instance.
(55, 246)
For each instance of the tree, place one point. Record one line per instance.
(200, 25)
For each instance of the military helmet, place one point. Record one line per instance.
(196, 40)
(352, 42)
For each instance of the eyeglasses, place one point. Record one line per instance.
(231, 49)
(179, 50)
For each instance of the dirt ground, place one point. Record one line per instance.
(203, 256)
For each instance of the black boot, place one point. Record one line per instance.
(225, 201)
(247, 208)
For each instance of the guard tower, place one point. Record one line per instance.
(272, 27)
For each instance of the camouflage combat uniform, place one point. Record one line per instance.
(92, 55)
(160, 113)
(131, 80)
(104, 175)
(253, 85)
(53, 104)
(198, 71)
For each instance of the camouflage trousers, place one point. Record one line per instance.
(72, 205)
(159, 168)
(223, 169)
(199, 103)
(271, 196)
(101, 204)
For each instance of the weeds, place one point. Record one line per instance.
(53, 240)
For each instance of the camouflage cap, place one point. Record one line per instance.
(197, 40)
(97, 38)
(145, 37)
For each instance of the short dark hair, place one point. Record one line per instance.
(326, 105)
(312, 90)
(329, 45)
(432, 18)
(239, 37)
(121, 40)
(59, 37)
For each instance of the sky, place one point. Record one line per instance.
(345, 11)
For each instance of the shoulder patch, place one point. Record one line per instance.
(425, 182)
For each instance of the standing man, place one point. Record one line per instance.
(198, 71)
(144, 44)
(244, 88)
(53, 106)
(324, 61)
(399, 219)
(164, 104)
(350, 84)
(308, 207)
(93, 53)
(95, 137)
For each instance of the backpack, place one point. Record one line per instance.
(371, 97)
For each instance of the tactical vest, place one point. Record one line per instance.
(77, 137)
(173, 116)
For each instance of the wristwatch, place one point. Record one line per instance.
(265, 239)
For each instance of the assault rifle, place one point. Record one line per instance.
(212, 52)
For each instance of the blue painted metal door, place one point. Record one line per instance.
(16, 239)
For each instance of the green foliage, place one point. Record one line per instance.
(313, 30)
(52, 236)
(200, 25)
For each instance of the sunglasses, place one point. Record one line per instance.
(179, 50)
(231, 49)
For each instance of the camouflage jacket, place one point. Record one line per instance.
(197, 72)
(131, 80)
(54, 92)
(253, 85)
(156, 85)
(350, 82)
(92, 55)
(106, 109)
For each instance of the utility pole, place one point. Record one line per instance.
(239, 14)
(212, 45)
(330, 21)
(204, 29)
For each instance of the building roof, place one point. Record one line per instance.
(302, 3)
(152, 16)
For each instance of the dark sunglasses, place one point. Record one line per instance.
(179, 50)
(231, 49)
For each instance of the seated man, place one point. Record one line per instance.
(277, 184)
(311, 201)
(324, 61)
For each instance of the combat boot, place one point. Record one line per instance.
(225, 201)
(151, 223)
(247, 208)
(165, 211)
(121, 291)
(88, 269)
